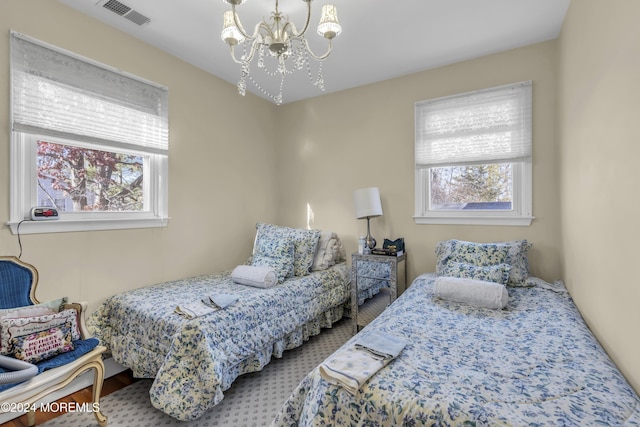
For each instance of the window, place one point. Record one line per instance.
(77, 179)
(87, 139)
(473, 158)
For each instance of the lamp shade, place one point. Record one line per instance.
(367, 202)
(329, 26)
(230, 33)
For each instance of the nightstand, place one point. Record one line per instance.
(390, 271)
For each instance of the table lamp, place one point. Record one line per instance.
(368, 205)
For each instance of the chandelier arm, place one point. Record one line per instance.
(242, 60)
(263, 26)
(286, 27)
(306, 23)
(252, 53)
(318, 57)
(238, 24)
(233, 54)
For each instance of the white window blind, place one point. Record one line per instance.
(60, 94)
(491, 125)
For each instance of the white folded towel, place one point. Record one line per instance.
(250, 275)
(381, 344)
(470, 291)
(351, 367)
(191, 310)
(207, 305)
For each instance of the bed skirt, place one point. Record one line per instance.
(293, 340)
(163, 399)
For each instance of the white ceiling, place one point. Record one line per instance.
(380, 39)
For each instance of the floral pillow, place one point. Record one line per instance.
(491, 273)
(517, 252)
(305, 244)
(513, 253)
(15, 327)
(471, 253)
(277, 254)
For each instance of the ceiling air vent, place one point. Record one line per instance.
(126, 12)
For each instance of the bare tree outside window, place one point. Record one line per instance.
(81, 179)
(483, 186)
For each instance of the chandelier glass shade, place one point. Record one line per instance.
(279, 42)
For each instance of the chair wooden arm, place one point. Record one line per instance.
(81, 309)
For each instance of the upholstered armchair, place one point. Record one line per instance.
(43, 346)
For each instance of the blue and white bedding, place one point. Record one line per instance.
(194, 361)
(533, 363)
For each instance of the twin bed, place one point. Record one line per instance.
(194, 360)
(532, 361)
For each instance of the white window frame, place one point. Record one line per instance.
(520, 213)
(26, 131)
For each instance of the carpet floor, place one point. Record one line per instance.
(253, 399)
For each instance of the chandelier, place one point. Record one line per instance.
(275, 42)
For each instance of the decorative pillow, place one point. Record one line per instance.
(330, 251)
(470, 291)
(323, 259)
(305, 244)
(517, 252)
(43, 344)
(513, 253)
(480, 254)
(490, 273)
(49, 307)
(276, 254)
(14, 327)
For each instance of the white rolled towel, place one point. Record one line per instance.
(471, 291)
(250, 275)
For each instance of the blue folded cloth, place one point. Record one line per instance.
(381, 344)
(220, 300)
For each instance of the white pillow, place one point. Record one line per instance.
(470, 291)
(330, 251)
(49, 307)
(324, 257)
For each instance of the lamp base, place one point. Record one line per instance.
(370, 242)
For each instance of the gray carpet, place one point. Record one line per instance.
(252, 400)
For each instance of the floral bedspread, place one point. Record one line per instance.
(534, 363)
(194, 361)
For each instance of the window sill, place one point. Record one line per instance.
(520, 221)
(71, 225)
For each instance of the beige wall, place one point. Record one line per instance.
(324, 148)
(221, 170)
(331, 145)
(598, 134)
